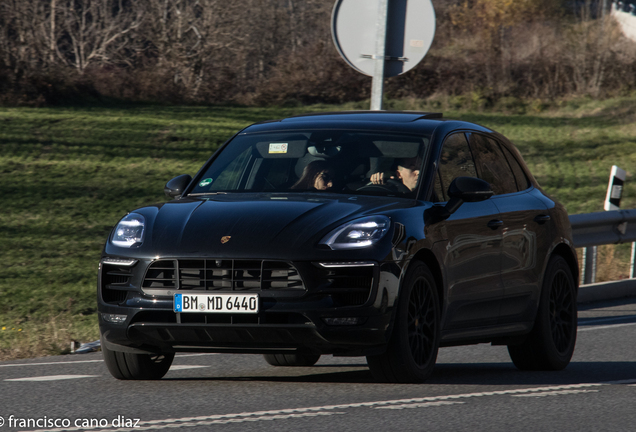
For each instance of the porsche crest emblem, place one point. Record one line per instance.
(225, 239)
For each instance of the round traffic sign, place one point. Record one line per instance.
(409, 33)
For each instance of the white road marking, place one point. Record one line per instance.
(556, 393)
(231, 420)
(323, 410)
(52, 378)
(90, 361)
(182, 367)
(419, 405)
(605, 327)
(51, 363)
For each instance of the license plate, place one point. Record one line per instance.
(216, 303)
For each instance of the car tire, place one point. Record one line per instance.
(129, 366)
(291, 359)
(412, 350)
(550, 344)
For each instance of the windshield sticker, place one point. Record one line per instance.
(278, 147)
(205, 182)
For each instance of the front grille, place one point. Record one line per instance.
(347, 281)
(222, 274)
(115, 280)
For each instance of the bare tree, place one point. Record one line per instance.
(95, 31)
(187, 36)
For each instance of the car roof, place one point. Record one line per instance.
(394, 121)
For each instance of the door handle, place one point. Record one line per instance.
(494, 224)
(541, 219)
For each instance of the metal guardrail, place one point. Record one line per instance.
(608, 227)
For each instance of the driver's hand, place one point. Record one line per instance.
(377, 178)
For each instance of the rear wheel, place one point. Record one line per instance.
(291, 359)
(129, 366)
(550, 344)
(412, 350)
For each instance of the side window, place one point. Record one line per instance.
(455, 160)
(520, 176)
(492, 165)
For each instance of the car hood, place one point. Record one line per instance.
(254, 225)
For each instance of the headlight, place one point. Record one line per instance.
(359, 233)
(130, 231)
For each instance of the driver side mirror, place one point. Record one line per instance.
(466, 189)
(461, 190)
(175, 187)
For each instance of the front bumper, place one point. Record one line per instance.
(319, 320)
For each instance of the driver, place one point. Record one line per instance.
(407, 170)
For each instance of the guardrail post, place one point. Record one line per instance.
(589, 265)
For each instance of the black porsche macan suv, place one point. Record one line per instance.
(377, 234)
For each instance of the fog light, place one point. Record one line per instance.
(343, 321)
(114, 318)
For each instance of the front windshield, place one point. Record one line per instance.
(334, 161)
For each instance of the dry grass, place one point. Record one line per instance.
(612, 262)
(41, 339)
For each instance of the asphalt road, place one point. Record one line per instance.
(473, 388)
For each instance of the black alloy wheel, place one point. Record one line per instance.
(422, 322)
(562, 321)
(129, 366)
(550, 344)
(412, 350)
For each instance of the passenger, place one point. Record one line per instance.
(407, 171)
(317, 175)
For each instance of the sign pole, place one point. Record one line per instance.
(612, 202)
(382, 38)
(377, 87)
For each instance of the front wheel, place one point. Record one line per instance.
(129, 366)
(412, 350)
(550, 344)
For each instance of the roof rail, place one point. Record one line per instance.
(424, 114)
(431, 115)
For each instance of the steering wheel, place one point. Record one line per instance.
(390, 186)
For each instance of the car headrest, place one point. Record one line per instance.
(303, 162)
